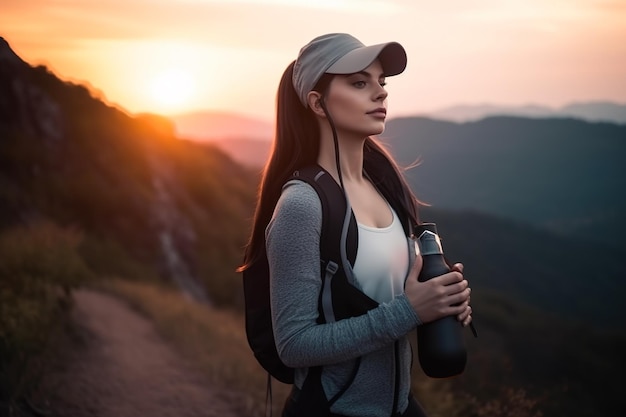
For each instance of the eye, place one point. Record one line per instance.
(382, 83)
(359, 84)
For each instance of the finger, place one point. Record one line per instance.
(467, 312)
(455, 310)
(457, 288)
(459, 298)
(467, 320)
(449, 278)
(458, 267)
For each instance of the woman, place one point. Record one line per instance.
(331, 100)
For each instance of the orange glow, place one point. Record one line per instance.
(230, 54)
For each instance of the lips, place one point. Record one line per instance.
(379, 112)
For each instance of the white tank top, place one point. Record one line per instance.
(382, 260)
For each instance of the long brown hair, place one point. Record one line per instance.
(296, 145)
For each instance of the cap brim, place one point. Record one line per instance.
(392, 57)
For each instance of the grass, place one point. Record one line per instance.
(213, 340)
(39, 266)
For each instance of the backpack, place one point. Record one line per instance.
(338, 298)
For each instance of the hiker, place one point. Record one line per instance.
(331, 102)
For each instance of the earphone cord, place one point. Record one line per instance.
(335, 140)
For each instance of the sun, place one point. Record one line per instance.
(171, 89)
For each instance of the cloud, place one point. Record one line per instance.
(250, 21)
(452, 44)
(353, 6)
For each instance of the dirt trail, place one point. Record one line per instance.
(125, 369)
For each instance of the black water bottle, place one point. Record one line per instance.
(441, 348)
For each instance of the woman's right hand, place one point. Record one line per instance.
(445, 295)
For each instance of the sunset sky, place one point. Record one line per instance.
(171, 56)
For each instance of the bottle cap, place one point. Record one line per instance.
(428, 239)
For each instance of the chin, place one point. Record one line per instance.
(377, 130)
(368, 129)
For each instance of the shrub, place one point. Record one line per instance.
(39, 266)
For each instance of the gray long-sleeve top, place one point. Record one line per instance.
(292, 240)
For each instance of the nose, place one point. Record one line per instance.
(381, 93)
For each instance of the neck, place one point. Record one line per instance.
(350, 154)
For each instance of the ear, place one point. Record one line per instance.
(314, 100)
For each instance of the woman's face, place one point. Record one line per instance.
(357, 102)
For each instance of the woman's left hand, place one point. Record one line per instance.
(466, 316)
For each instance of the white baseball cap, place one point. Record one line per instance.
(340, 53)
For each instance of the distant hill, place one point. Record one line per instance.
(599, 111)
(221, 126)
(249, 152)
(564, 276)
(245, 139)
(562, 175)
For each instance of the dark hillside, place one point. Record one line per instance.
(564, 175)
(147, 203)
(570, 278)
(567, 367)
(549, 315)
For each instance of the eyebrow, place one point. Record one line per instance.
(367, 74)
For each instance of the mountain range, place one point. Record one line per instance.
(223, 126)
(592, 111)
(561, 174)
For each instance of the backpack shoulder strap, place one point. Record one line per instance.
(334, 208)
(339, 298)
